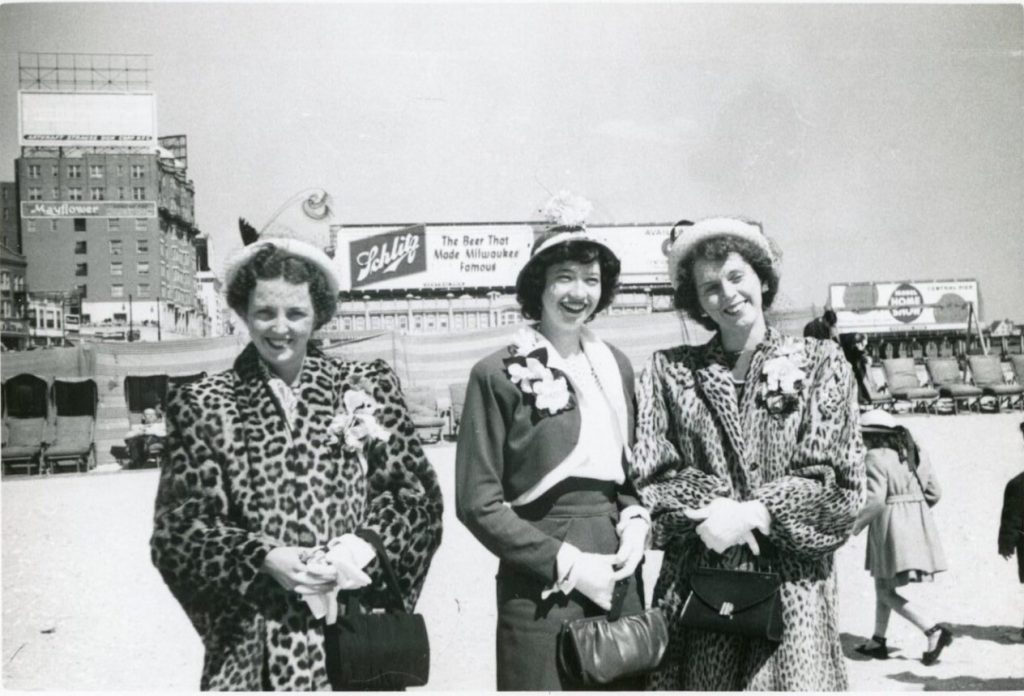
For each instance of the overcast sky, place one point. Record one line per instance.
(875, 142)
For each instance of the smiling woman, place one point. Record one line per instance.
(540, 466)
(264, 480)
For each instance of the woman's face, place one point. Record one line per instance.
(280, 321)
(729, 291)
(572, 292)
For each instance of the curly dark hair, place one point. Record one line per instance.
(898, 439)
(686, 298)
(530, 284)
(269, 263)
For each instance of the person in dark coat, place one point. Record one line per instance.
(823, 327)
(1011, 523)
(540, 468)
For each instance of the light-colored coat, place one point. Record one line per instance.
(696, 442)
(901, 532)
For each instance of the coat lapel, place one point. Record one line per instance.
(716, 388)
(261, 419)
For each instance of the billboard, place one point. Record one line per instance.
(95, 209)
(931, 305)
(86, 119)
(450, 256)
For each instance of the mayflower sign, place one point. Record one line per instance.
(99, 209)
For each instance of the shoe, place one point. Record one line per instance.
(930, 657)
(879, 652)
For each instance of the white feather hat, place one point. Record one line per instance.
(301, 227)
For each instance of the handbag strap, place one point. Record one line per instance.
(390, 578)
(620, 591)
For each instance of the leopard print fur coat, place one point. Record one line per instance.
(804, 461)
(235, 486)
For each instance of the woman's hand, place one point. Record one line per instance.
(285, 565)
(727, 522)
(632, 544)
(595, 578)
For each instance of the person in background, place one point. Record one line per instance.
(748, 455)
(540, 469)
(855, 348)
(823, 327)
(1011, 524)
(145, 440)
(903, 542)
(283, 456)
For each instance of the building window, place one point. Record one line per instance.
(55, 194)
(138, 193)
(141, 225)
(74, 193)
(120, 193)
(30, 225)
(142, 267)
(54, 225)
(113, 224)
(7, 309)
(120, 170)
(142, 246)
(35, 193)
(80, 246)
(115, 247)
(79, 224)
(95, 171)
(5, 280)
(143, 289)
(97, 193)
(137, 171)
(7, 211)
(81, 269)
(34, 171)
(74, 171)
(116, 268)
(117, 290)
(50, 323)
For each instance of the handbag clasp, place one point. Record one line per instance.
(726, 610)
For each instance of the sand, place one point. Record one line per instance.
(83, 608)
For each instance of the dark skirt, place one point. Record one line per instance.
(582, 512)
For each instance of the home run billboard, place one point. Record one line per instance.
(932, 305)
(477, 255)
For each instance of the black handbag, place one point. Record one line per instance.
(746, 603)
(601, 649)
(386, 651)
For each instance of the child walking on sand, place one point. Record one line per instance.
(903, 543)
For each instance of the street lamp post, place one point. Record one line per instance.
(158, 336)
(130, 323)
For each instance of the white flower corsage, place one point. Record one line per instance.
(355, 426)
(782, 380)
(543, 387)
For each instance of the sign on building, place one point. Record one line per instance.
(933, 305)
(99, 209)
(86, 119)
(477, 255)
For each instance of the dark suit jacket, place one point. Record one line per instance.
(1011, 522)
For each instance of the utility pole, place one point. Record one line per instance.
(130, 323)
(158, 336)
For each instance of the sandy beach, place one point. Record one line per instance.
(83, 608)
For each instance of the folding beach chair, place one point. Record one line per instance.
(945, 375)
(423, 411)
(75, 404)
(901, 377)
(28, 412)
(987, 374)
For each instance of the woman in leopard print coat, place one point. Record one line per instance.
(747, 445)
(253, 483)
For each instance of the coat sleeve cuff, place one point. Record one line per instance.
(565, 564)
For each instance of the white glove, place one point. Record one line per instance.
(728, 522)
(343, 562)
(593, 574)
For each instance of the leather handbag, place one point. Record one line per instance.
(741, 602)
(377, 651)
(601, 649)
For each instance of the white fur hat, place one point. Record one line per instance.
(559, 235)
(692, 235)
(300, 227)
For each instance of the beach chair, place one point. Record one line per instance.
(427, 420)
(75, 403)
(945, 375)
(28, 412)
(1017, 363)
(142, 392)
(903, 382)
(987, 374)
(178, 380)
(457, 392)
(878, 394)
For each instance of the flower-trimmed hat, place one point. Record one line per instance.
(687, 235)
(566, 214)
(301, 227)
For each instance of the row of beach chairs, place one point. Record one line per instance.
(947, 385)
